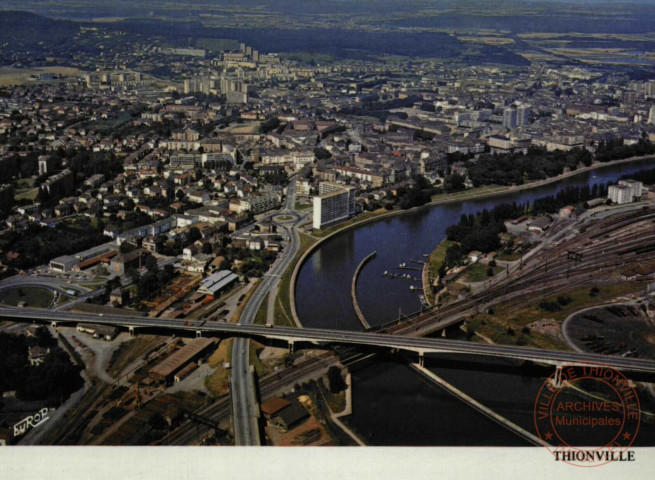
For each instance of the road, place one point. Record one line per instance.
(242, 388)
(55, 285)
(310, 368)
(324, 338)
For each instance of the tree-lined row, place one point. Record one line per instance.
(516, 168)
(481, 231)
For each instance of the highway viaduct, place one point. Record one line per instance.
(323, 338)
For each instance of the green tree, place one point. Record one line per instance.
(453, 183)
(194, 234)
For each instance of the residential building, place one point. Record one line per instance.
(333, 204)
(523, 115)
(625, 192)
(510, 118)
(619, 194)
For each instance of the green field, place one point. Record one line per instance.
(217, 381)
(302, 206)
(38, 297)
(508, 257)
(495, 326)
(21, 76)
(25, 189)
(437, 257)
(262, 313)
(217, 44)
(107, 125)
(478, 273)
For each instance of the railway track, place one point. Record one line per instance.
(221, 409)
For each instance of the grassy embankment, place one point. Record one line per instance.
(470, 193)
(130, 351)
(509, 325)
(437, 257)
(217, 382)
(37, 297)
(282, 315)
(262, 313)
(302, 206)
(21, 76)
(359, 218)
(255, 349)
(25, 190)
(244, 301)
(478, 273)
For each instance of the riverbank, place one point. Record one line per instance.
(459, 197)
(431, 268)
(492, 191)
(285, 302)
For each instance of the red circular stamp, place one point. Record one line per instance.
(588, 415)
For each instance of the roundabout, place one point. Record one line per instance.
(285, 218)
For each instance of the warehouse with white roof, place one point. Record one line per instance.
(216, 283)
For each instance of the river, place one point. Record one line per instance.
(392, 405)
(397, 239)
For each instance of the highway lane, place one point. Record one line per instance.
(53, 284)
(323, 337)
(244, 401)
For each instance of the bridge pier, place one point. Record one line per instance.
(198, 333)
(421, 359)
(53, 325)
(557, 379)
(443, 333)
(132, 332)
(291, 347)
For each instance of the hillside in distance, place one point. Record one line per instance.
(26, 30)
(517, 16)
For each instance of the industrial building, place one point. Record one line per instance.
(63, 264)
(166, 370)
(216, 283)
(107, 332)
(289, 417)
(185, 372)
(333, 204)
(273, 406)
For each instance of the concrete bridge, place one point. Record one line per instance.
(323, 338)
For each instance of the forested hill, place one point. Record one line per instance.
(29, 30)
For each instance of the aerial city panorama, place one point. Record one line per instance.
(339, 223)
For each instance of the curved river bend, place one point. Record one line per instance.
(323, 287)
(392, 405)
